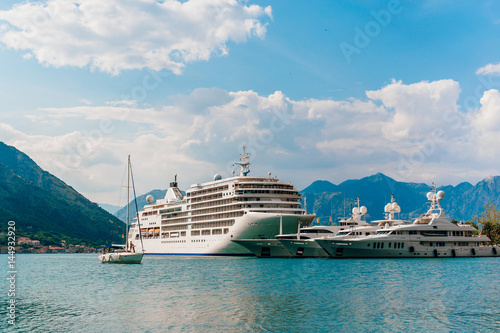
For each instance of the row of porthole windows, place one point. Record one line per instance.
(174, 241)
(380, 245)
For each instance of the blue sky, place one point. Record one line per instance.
(317, 90)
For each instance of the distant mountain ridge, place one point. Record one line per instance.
(141, 202)
(112, 209)
(39, 202)
(461, 202)
(325, 199)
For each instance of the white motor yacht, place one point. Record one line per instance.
(303, 245)
(431, 235)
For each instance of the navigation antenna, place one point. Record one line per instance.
(244, 163)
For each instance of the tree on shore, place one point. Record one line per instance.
(489, 221)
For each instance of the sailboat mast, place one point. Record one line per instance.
(128, 201)
(137, 208)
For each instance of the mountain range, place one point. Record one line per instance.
(46, 208)
(461, 202)
(325, 199)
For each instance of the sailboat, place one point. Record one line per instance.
(124, 254)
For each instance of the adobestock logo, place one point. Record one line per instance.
(372, 29)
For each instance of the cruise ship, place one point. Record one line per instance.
(429, 236)
(210, 215)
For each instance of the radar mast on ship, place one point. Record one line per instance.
(244, 163)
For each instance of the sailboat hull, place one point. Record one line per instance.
(121, 258)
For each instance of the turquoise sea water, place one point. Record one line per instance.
(76, 293)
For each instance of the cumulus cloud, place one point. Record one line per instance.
(417, 109)
(487, 118)
(117, 35)
(412, 132)
(485, 126)
(92, 161)
(490, 69)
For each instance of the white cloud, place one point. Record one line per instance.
(85, 101)
(487, 118)
(490, 69)
(417, 109)
(117, 35)
(485, 128)
(122, 103)
(201, 134)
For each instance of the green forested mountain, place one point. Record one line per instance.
(46, 208)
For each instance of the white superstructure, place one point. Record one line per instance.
(212, 214)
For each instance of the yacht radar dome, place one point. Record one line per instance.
(387, 208)
(430, 196)
(150, 199)
(440, 195)
(363, 210)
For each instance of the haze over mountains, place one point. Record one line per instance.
(40, 202)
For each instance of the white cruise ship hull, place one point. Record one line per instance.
(252, 225)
